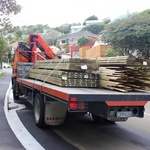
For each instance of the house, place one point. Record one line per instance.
(14, 46)
(72, 38)
(75, 29)
(90, 22)
(74, 49)
(55, 49)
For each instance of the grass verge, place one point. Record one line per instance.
(2, 74)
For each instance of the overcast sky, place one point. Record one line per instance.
(58, 12)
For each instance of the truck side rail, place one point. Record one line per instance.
(84, 94)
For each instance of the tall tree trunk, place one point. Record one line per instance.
(0, 63)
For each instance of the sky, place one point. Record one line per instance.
(58, 12)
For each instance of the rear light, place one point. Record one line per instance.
(74, 105)
(73, 99)
(81, 105)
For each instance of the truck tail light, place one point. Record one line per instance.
(81, 105)
(74, 105)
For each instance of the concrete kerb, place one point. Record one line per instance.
(22, 134)
(1, 70)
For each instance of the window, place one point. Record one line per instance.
(63, 41)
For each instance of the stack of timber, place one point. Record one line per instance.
(129, 74)
(122, 60)
(72, 64)
(66, 72)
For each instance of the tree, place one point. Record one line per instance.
(130, 35)
(9, 37)
(51, 37)
(39, 28)
(93, 17)
(145, 12)
(4, 48)
(83, 40)
(7, 8)
(106, 20)
(76, 24)
(95, 28)
(112, 51)
(64, 29)
(65, 47)
(19, 33)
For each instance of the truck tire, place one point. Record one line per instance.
(99, 119)
(15, 95)
(38, 109)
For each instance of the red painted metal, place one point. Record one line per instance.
(126, 103)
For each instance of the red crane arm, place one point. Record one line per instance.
(35, 40)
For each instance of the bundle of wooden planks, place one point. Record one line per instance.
(124, 73)
(66, 72)
(122, 60)
(125, 78)
(72, 64)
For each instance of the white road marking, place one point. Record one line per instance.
(147, 114)
(25, 138)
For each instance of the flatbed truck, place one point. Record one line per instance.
(52, 103)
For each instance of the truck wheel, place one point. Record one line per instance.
(38, 110)
(98, 118)
(101, 119)
(14, 90)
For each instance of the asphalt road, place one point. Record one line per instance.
(8, 140)
(84, 134)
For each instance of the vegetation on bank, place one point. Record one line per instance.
(2, 74)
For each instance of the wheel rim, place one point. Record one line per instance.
(37, 110)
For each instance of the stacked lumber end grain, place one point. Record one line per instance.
(124, 73)
(66, 72)
(122, 60)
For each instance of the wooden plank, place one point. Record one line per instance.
(68, 66)
(114, 86)
(120, 60)
(67, 82)
(69, 60)
(65, 74)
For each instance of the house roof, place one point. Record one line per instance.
(79, 34)
(92, 21)
(77, 27)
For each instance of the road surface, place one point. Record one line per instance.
(8, 140)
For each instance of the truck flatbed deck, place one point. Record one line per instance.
(87, 94)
